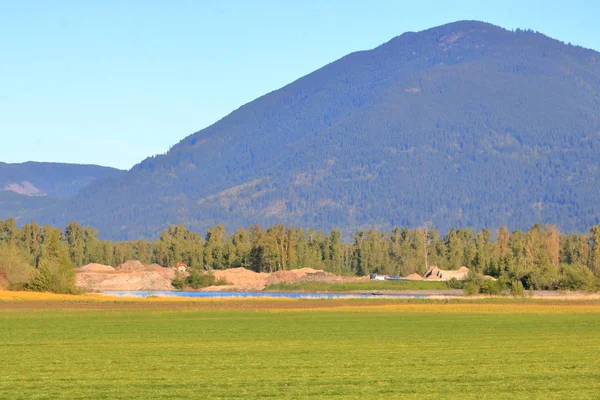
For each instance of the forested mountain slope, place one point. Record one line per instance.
(465, 124)
(50, 179)
(32, 187)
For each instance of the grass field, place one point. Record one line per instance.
(356, 286)
(82, 349)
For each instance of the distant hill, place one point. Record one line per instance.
(50, 179)
(466, 124)
(14, 205)
(31, 187)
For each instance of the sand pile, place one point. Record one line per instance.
(415, 277)
(290, 276)
(131, 265)
(95, 268)
(327, 277)
(138, 280)
(241, 277)
(131, 275)
(436, 274)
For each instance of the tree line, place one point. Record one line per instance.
(36, 256)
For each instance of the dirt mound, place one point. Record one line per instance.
(291, 275)
(158, 268)
(134, 280)
(434, 273)
(323, 276)
(96, 268)
(131, 275)
(242, 277)
(415, 277)
(131, 265)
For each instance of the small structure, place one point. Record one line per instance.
(181, 267)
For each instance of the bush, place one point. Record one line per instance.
(55, 271)
(544, 277)
(454, 284)
(492, 288)
(53, 277)
(179, 281)
(14, 268)
(198, 280)
(472, 285)
(517, 289)
(471, 288)
(577, 277)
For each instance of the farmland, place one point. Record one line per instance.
(88, 348)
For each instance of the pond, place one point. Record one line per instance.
(266, 295)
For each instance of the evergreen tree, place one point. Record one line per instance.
(55, 271)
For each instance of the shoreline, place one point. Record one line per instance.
(7, 296)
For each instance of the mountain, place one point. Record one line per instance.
(50, 179)
(34, 186)
(466, 124)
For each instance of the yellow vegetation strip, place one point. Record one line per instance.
(34, 300)
(6, 295)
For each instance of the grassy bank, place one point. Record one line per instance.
(356, 286)
(409, 351)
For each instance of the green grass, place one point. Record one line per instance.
(432, 351)
(356, 286)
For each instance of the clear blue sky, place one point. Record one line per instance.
(112, 82)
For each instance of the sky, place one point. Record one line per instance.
(113, 82)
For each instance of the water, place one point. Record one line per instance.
(246, 295)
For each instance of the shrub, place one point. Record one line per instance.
(55, 271)
(472, 285)
(517, 289)
(470, 288)
(493, 288)
(53, 277)
(454, 284)
(198, 280)
(14, 268)
(577, 277)
(179, 281)
(544, 277)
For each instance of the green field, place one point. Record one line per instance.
(275, 350)
(356, 286)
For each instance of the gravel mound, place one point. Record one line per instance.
(96, 268)
(131, 265)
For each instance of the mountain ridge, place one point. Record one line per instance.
(465, 124)
(53, 181)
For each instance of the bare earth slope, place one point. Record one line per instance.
(96, 277)
(134, 276)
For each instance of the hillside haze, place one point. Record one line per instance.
(465, 124)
